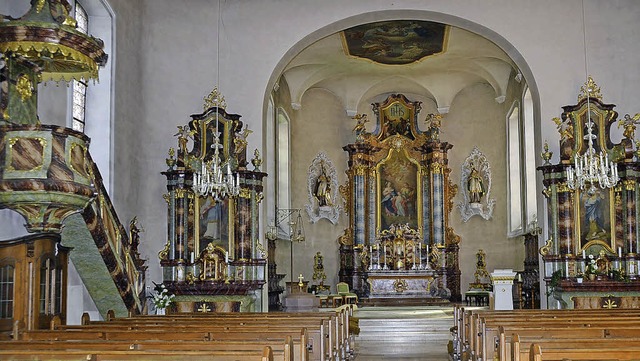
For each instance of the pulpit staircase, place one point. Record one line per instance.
(110, 266)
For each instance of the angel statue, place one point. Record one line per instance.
(629, 124)
(360, 128)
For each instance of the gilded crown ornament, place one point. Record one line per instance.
(589, 90)
(215, 99)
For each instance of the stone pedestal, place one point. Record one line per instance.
(298, 299)
(502, 280)
(301, 302)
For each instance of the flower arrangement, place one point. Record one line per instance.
(162, 299)
(592, 267)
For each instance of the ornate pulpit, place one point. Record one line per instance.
(399, 200)
(592, 202)
(213, 255)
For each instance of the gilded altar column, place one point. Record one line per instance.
(565, 220)
(252, 191)
(434, 220)
(242, 249)
(631, 229)
(361, 193)
(180, 216)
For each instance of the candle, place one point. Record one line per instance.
(226, 256)
(584, 255)
(619, 252)
(370, 257)
(420, 254)
(192, 257)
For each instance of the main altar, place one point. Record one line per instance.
(398, 197)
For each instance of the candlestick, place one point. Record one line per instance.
(226, 256)
(584, 255)
(420, 254)
(370, 257)
(619, 252)
(192, 257)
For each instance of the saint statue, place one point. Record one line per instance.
(475, 186)
(323, 190)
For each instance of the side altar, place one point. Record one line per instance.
(398, 198)
(213, 259)
(591, 254)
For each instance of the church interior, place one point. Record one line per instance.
(160, 158)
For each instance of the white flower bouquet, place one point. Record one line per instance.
(162, 298)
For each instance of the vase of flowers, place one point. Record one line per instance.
(591, 269)
(161, 299)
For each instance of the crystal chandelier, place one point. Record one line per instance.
(215, 178)
(591, 167)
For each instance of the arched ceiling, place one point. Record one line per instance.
(399, 57)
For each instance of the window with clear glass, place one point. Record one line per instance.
(7, 276)
(80, 87)
(514, 171)
(283, 161)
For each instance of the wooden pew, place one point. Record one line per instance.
(473, 331)
(282, 351)
(540, 353)
(521, 346)
(312, 346)
(88, 355)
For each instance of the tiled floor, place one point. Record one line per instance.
(403, 333)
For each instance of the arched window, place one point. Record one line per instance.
(283, 200)
(79, 87)
(90, 103)
(529, 157)
(521, 172)
(514, 172)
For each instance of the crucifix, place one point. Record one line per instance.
(300, 278)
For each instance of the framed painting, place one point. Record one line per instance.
(214, 223)
(398, 190)
(594, 215)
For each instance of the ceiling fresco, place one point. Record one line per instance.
(395, 42)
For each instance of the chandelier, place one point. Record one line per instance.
(214, 177)
(591, 167)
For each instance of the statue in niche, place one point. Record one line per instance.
(322, 186)
(475, 186)
(323, 189)
(475, 183)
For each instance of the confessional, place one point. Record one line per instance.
(597, 223)
(398, 198)
(33, 281)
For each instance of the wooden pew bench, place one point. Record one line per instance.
(470, 327)
(539, 353)
(281, 350)
(521, 346)
(79, 355)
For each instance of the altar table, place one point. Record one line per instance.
(401, 283)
